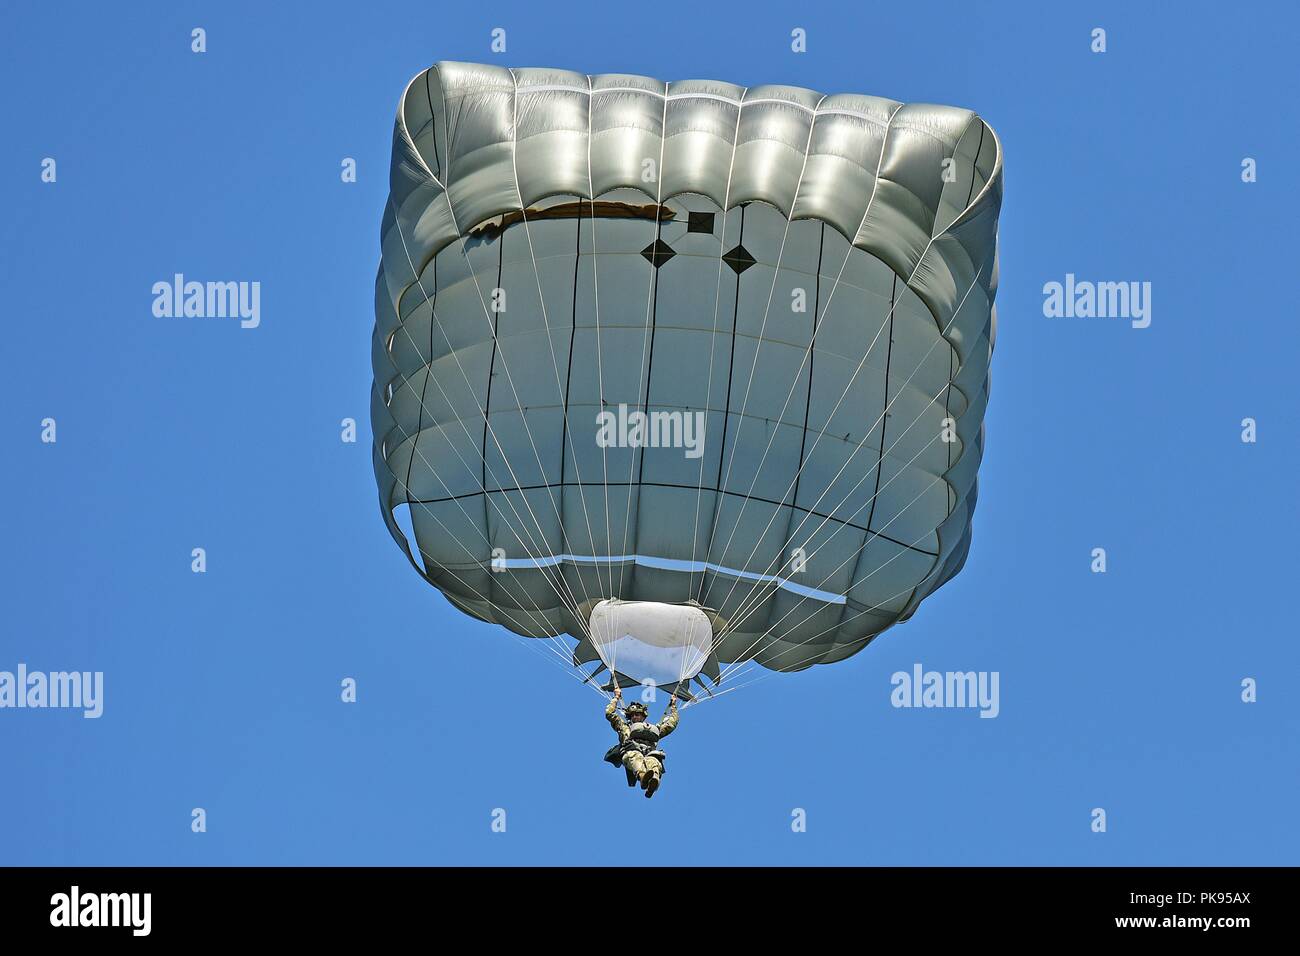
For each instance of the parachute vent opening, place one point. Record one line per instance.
(402, 515)
(492, 228)
(653, 643)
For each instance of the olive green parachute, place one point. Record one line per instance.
(709, 359)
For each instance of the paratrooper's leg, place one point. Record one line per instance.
(653, 771)
(634, 764)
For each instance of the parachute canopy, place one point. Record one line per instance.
(693, 373)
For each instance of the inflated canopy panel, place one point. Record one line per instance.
(683, 342)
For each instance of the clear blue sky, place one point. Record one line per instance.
(1119, 691)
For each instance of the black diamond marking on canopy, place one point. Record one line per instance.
(658, 252)
(739, 259)
(699, 222)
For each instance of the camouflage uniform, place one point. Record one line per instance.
(637, 750)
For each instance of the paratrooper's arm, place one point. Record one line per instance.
(615, 718)
(668, 723)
